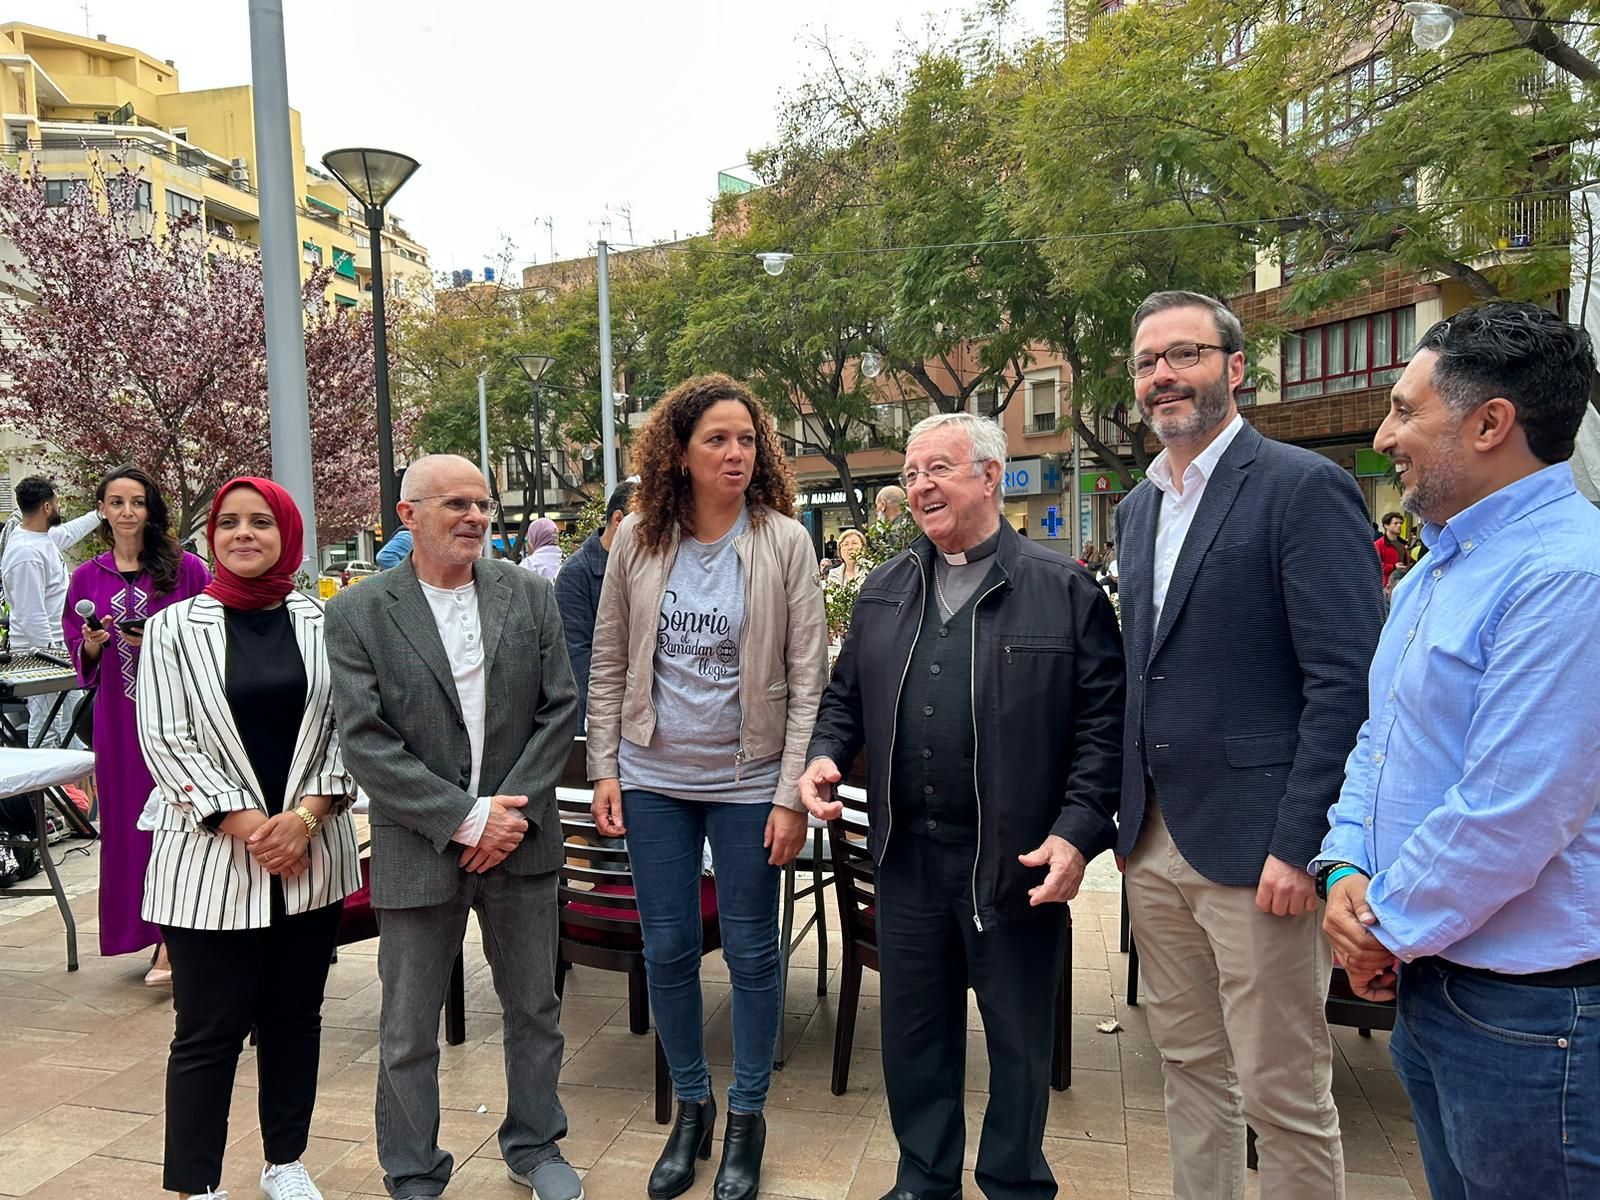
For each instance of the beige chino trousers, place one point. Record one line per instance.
(1235, 999)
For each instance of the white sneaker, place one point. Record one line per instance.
(208, 1194)
(288, 1182)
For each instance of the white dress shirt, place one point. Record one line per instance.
(36, 580)
(1178, 508)
(455, 611)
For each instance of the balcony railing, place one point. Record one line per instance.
(1042, 423)
(193, 160)
(1536, 221)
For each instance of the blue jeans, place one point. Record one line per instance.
(1504, 1083)
(664, 840)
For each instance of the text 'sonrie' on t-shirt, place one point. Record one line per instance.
(696, 691)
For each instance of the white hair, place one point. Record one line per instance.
(987, 439)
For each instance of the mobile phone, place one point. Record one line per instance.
(136, 628)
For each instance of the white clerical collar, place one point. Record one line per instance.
(981, 551)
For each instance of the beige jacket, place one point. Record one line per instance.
(783, 649)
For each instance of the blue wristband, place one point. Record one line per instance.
(1339, 873)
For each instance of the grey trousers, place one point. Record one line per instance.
(416, 948)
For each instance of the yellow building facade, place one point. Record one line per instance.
(64, 97)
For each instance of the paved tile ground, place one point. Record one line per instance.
(82, 1061)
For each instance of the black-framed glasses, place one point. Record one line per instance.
(1180, 358)
(460, 506)
(937, 472)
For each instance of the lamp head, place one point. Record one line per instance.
(535, 365)
(774, 261)
(871, 364)
(1432, 25)
(371, 176)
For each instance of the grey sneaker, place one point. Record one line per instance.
(553, 1179)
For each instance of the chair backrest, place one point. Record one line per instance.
(576, 773)
(854, 878)
(587, 866)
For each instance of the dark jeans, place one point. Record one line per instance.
(664, 840)
(1504, 1083)
(416, 950)
(223, 983)
(929, 953)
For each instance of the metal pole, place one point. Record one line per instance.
(280, 267)
(388, 485)
(538, 450)
(1077, 487)
(483, 447)
(608, 410)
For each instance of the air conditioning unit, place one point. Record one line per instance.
(239, 172)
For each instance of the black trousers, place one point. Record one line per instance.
(224, 983)
(930, 952)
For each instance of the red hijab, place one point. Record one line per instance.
(264, 590)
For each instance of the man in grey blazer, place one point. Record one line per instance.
(456, 709)
(1251, 603)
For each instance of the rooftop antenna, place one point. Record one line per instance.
(88, 30)
(626, 209)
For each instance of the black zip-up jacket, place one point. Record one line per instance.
(1048, 693)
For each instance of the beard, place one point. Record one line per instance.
(55, 519)
(1208, 406)
(1431, 497)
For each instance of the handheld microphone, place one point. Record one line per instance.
(85, 609)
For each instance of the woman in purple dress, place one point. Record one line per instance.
(142, 573)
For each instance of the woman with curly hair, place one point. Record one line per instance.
(710, 651)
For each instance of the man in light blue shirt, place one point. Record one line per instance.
(393, 552)
(1464, 849)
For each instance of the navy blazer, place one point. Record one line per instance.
(1245, 701)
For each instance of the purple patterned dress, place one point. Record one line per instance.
(121, 778)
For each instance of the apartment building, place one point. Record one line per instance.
(66, 98)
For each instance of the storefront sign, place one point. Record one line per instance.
(1103, 482)
(823, 499)
(1024, 477)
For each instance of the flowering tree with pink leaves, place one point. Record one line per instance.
(122, 344)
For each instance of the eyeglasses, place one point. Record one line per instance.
(1180, 358)
(459, 506)
(938, 472)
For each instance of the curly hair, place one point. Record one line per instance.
(664, 497)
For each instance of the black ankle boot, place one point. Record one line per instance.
(690, 1139)
(743, 1142)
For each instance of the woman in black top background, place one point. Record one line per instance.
(254, 850)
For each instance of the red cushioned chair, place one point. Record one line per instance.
(600, 921)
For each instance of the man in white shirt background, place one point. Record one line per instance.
(33, 571)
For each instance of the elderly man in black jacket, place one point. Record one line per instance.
(984, 677)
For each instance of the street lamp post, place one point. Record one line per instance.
(536, 365)
(373, 177)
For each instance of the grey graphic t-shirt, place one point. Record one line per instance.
(696, 691)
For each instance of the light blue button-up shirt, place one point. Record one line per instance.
(1472, 797)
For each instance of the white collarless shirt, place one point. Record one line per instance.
(455, 611)
(1178, 509)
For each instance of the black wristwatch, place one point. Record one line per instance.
(1327, 870)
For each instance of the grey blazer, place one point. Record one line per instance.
(404, 740)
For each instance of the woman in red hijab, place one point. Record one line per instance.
(254, 847)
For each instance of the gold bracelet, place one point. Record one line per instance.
(313, 823)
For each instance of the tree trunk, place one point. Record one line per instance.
(841, 464)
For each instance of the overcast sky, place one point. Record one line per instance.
(520, 111)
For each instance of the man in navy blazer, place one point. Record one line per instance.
(1251, 604)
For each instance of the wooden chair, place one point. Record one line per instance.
(855, 886)
(600, 920)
